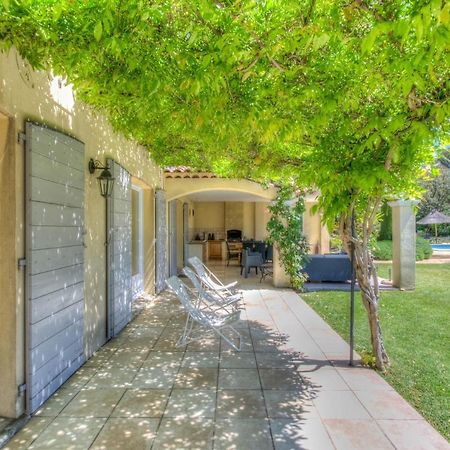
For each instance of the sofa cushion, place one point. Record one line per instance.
(330, 267)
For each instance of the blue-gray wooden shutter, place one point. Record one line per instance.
(161, 240)
(119, 291)
(55, 260)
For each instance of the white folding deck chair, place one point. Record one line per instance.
(202, 314)
(210, 280)
(218, 298)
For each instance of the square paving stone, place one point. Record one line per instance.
(93, 403)
(69, 433)
(241, 403)
(126, 434)
(357, 434)
(239, 434)
(325, 379)
(204, 345)
(138, 344)
(339, 405)
(184, 433)
(154, 378)
(191, 403)
(268, 345)
(263, 333)
(270, 360)
(163, 359)
(142, 403)
(362, 379)
(413, 435)
(196, 378)
(126, 359)
(387, 405)
(99, 357)
(289, 404)
(246, 345)
(285, 379)
(148, 332)
(55, 404)
(308, 434)
(114, 377)
(168, 345)
(28, 433)
(80, 378)
(239, 379)
(235, 360)
(201, 359)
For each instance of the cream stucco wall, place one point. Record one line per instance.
(217, 217)
(209, 217)
(248, 220)
(10, 405)
(262, 216)
(28, 95)
(316, 234)
(234, 219)
(183, 187)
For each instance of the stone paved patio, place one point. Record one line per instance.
(290, 388)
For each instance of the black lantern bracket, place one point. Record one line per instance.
(105, 180)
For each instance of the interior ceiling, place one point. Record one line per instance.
(224, 196)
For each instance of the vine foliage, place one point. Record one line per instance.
(285, 232)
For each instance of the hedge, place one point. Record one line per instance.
(382, 250)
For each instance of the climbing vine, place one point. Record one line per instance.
(285, 232)
(348, 97)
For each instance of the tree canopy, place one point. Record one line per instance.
(347, 95)
(351, 97)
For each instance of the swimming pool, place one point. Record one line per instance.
(441, 247)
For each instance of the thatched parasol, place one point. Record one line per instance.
(434, 218)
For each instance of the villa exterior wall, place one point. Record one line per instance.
(262, 216)
(37, 96)
(248, 219)
(316, 233)
(209, 217)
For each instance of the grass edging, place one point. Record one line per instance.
(416, 326)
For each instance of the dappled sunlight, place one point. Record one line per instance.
(62, 92)
(279, 391)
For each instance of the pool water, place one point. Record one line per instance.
(441, 247)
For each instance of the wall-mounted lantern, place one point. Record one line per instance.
(105, 180)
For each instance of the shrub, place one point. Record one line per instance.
(335, 243)
(382, 250)
(385, 233)
(424, 248)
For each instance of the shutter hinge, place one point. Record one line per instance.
(21, 263)
(22, 388)
(21, 138)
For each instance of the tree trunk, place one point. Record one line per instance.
(367, 277)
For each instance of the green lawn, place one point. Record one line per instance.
(416, 330)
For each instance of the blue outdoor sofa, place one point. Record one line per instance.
(329, 267)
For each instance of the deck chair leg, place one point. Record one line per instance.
(183, 339)
(229, 341)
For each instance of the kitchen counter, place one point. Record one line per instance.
(198, 249)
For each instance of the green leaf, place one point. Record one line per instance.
(98, 30)
(320, 41)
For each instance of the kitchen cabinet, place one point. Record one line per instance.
(215, 249)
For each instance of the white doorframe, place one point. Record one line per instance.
(138, 278)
